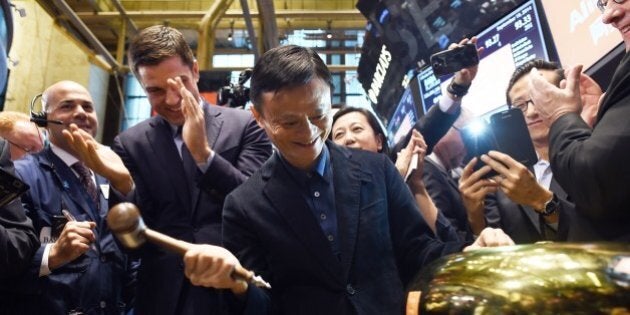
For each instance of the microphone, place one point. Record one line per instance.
(42, 121)
(126, 223)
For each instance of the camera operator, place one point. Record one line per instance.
(529, 204)
(235, 95)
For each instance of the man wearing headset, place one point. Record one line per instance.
(79, 267)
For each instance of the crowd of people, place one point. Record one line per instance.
(317, 204)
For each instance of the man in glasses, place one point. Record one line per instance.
(23, 135)
(530, 206)
(591, 164)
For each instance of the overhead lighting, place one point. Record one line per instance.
(329, 34)
(230, 36)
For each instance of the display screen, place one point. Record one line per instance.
(508, 43)
(403, 119)
(578, 31)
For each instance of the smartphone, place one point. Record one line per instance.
(507, 133)
(512, 136)
(453, 60)
(478, 138)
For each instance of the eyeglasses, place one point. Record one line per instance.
(31, 149)
(601, 4)
(522, 105)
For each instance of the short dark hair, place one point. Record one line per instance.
(157, 43)
(525, 68)
(286, 67)
(372, 120)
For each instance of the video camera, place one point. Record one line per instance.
(235, 95)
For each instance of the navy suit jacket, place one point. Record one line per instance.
(383, 238)
(99, 281)
(522, 223)
(185, 208)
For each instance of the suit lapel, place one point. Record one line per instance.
(70, 184)
(346, 175)
(214, 122)
(164, 150)
(287, 200)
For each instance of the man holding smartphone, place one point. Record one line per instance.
(529, 205)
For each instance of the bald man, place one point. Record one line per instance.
(79, 267)
(23, 136)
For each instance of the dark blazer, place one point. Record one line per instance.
(383, 238)
(185, 208)
(592, 164)
(98, 282)
(445, 194)
(18, 240)
(522, 223)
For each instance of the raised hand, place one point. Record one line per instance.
(552, 102)
(591, 95)
(194, 129)
(99, 158)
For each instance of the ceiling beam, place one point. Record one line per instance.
(230, 14)
(85, 31)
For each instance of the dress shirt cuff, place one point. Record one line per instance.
(203, 167)
(126, 196)
(447, 104)
(43, 268)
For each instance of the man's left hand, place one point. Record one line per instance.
(194, 129)
(551, 101)
(490, 237)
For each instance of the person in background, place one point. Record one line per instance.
(591, 164)
(79, 267)
(437, 121)
(358, 128)
(334, 230)
(18, 241)
(529, 204)
(23, 135)
(178, 167)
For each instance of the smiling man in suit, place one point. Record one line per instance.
(335, 230)
(79, 267)
(183, 161)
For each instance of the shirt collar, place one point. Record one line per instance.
(321, 168)
(64, 155)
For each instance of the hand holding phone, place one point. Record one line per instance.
(452, 60)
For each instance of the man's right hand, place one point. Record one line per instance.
(99, 158)
(75, 240)
(473, 189)
(212, 266)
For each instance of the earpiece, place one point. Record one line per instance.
(41, 118)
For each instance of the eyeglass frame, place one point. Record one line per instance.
(520, 106)
(601, 4)
(29, 150)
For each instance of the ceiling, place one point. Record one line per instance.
(105, 26)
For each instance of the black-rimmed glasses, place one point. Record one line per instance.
(522, 105)
(601, 4)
